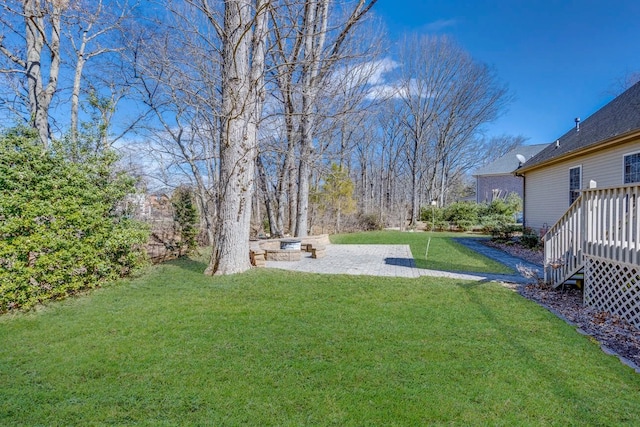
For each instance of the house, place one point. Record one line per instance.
(604, 148)
(497, 180)
(582, 192)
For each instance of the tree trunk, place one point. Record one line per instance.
(304, 171)
(293, 199)
(242, 98)
(315, 27)
(284, 177)
(268, 201)
(414, 184)
(39, 96)
(75, 100)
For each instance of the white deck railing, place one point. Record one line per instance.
(602, 223)
(613, 223)
(563, 255)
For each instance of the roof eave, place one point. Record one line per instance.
(622, 138)
(494, 174)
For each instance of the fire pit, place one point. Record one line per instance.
(290, 244)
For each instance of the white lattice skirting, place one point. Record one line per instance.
(613, 287)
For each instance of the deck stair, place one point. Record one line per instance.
(563, 247)
(577, 279)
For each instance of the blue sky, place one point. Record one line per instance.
(561, 59)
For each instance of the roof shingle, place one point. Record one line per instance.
(618, 117)
(508, 163)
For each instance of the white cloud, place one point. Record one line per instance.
(385, 91)
(380, 68)
(380, 85)
(439, 25)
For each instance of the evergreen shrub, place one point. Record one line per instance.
(530, 239)
(61, 228)
(431, 214)
(185, 214)
(463, 214)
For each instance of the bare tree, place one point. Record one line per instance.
(267, 195)
(476, 99)
(243, 61)
(91, 24)
(41, 36)
(203, 78)
(307, 45)
(428, 67)
(45, 45)
(446, 97)
(622, 83)
(284, 54)
(494, 147)
(178, 79)
(390, 165)
(316, 65)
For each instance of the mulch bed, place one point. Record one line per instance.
(616, 335)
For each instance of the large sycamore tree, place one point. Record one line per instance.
(201, 72)
(243, 57)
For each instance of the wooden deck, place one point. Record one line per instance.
(600, 235)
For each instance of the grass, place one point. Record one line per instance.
(444, 253)
(269, 347)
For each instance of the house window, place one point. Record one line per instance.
(575, 179)
(632, 168)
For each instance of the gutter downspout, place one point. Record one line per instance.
(524, 198)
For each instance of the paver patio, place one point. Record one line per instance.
(392, 261)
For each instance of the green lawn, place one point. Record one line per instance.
(444, 253)
(269, 347)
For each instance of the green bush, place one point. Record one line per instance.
(60, 227)
(462, 212)
(465, 225)
(489, 226)
(498, 217)
(531, 240)
(185, 214)
(431, 214)
(499, 226)
(442, 226)
(502, 208)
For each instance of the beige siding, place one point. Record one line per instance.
(547, 189)
(542, 206)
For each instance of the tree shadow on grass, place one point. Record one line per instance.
(402, 262)
(188, 263)
(456, 268)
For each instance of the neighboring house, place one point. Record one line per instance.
(583, 191)
(151, 207)
(497, 180)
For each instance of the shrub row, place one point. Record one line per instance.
(496, 218)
